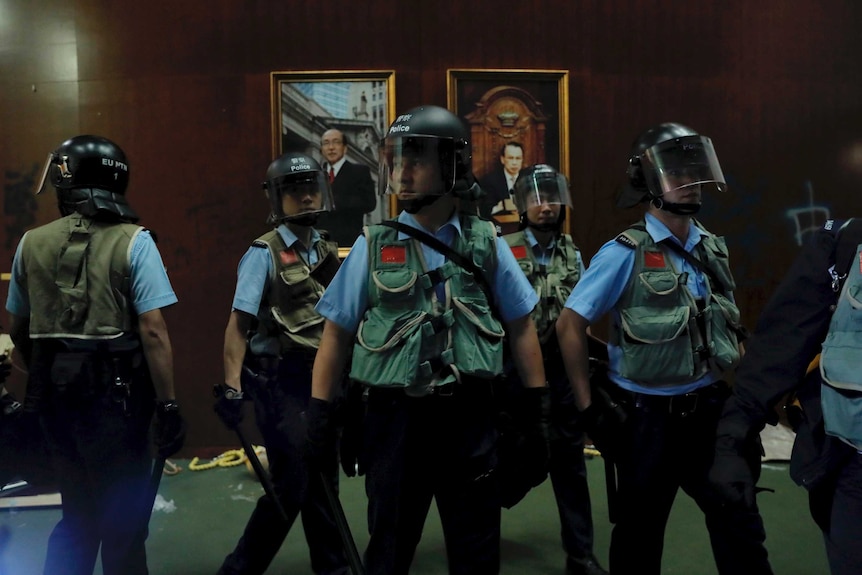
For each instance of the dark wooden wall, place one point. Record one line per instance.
(184, 88)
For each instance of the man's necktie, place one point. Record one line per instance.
(331, 174)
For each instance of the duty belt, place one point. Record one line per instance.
(681, 405)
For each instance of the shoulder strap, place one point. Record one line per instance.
(699, 265)
(447, 251)
(848, 239)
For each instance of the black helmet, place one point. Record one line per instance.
(299, 175)
(433, 133)
(90, 174)
(538, 185)
(660, 156)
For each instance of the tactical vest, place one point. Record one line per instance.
(294, 290)
(667, 337)
(410, 339)
(553, 282)
(841, 392)
(77, 275)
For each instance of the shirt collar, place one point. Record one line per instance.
(337, 165)
(531, 238)
(407, 218)
(659, 232)
(290, 238)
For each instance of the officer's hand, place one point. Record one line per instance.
(537, 409)
(170, 429)
(228, 405)
(735, 470)
(9, 406)
(603, 427)
(320, 436)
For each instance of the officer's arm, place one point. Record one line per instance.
(158, 352)
(572, 336)
(234, 347)
(526, 351)
(19, 331)
(330, 360)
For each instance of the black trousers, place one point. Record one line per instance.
(667, 449)
(102, 465)
(280, 413)
(837, 507)
(438, 447)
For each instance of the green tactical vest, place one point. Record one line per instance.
(667, 338)
(553, 283)
(410, 339)
(294, 290)
(841, 392)
(77, 275)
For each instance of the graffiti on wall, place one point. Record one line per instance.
(809, 218)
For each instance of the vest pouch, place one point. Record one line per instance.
(656, 345)
(478, 339)
(839, 362)
(396, 286)
(659, 284)
(722, 318)
(526, 267)
(389, 347)
(842, 414)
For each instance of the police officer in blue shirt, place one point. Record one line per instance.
(85, 299)
(427, 336)
(270, 341)
(667, 284)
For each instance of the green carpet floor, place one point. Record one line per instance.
(206, 512)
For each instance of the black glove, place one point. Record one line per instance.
(9, 406)
(537, 410)
(320, 436)
(170, 429)
(736, 466)
(228, 405)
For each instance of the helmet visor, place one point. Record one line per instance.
(415, 166)
(537, 187)
(56, 162)
(298, 195)
(682, 163)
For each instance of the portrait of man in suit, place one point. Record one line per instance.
(499, 183)
(352, 190)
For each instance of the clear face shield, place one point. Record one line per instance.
(297, 196)
(541, 187)
(52, 160)
(683, 163)
(410, 167)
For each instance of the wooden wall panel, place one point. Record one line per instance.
(184, 88)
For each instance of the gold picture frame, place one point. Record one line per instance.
(361, 105)
(506, 110)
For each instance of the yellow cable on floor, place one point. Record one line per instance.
(229, 458)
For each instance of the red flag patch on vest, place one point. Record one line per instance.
(393, 254)
(288, 257)
(520, 252)
(654, 260)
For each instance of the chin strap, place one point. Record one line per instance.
(676, 208)
(413, 206)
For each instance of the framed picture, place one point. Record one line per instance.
(516, 118)
(338, 118)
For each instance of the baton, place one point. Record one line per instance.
(265, 481)
(611, 486)
(353, 558)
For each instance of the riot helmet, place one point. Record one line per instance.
(670, 157)
(298, 190)
(541, 196)
(90, 174)
(425, 155)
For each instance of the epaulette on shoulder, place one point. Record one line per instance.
(258, 244)
(626, 240)
(324, 234)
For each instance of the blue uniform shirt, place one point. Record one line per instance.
(252, 281)
(346, 299)
(605, 281)
(151, 289)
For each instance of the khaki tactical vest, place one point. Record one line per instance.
(840, 366)
(553, 282)
(410, 339)
(294, 290)
(77, 275)
(667, 337)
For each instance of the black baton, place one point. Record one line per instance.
(353, 558)
(262, 475)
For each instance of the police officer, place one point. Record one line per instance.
(553, 264)
(796, 323)
(667, 282)
(427, 336)
(85, 300)
(280, 279)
